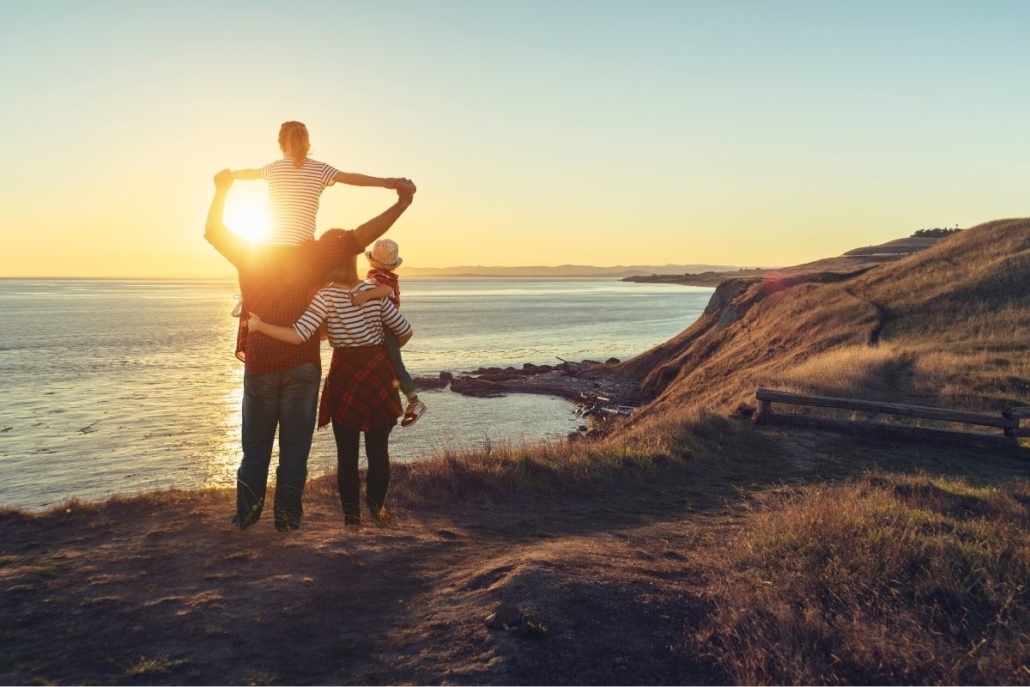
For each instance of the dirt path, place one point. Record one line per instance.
(159, 589)
(614, 562)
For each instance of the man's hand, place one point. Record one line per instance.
(405, 190)
(397, 183)
(253, 322)
(223, 180)
(380, 224)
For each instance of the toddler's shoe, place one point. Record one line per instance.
(413, 412)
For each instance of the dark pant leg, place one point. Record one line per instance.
(347, 480)
(377, 481)
(393, 349)
(260, 417)
(298, 409)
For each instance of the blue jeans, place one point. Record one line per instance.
(287, 400)
(393, 349)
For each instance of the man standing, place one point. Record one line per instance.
(280, 381)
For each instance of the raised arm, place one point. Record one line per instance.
(336, 246)
(377, 226)
(216, 233)
(246, 174)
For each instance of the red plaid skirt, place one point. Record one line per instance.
(360, 390)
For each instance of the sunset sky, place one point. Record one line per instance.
(539, 133)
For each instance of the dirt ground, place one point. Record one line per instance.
(159, 589)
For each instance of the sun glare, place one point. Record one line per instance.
(245, 212)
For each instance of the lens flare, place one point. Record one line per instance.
(245, 213)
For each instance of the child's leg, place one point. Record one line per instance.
(404, 380)
(415, 407)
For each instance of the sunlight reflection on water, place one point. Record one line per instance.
(225, 456)
(132, 385)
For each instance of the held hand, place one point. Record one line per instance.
(253, 322)
(405, 190)
(223, 180)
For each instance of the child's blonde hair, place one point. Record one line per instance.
(293, 140)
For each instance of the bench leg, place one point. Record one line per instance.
(764, 411)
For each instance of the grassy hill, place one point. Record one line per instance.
(849, 264)
(945, 326)
(689, 546)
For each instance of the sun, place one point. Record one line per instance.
(245, 211)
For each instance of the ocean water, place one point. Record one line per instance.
(117, 386)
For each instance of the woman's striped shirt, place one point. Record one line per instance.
(293, 196)
(350, 325)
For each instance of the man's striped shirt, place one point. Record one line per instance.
(293, 196)
(350, 325)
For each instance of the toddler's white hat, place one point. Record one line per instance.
(384, 255)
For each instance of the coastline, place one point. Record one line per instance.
(157, 407)
(678, 549)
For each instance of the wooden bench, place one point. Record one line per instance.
(1018, 414)
(1007, 421)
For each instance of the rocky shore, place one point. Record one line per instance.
(602, 396)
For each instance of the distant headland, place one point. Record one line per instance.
(615, 272)
(850, 263)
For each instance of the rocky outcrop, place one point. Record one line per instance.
(438, 382)
(602, 395)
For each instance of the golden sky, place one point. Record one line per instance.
(739, 134)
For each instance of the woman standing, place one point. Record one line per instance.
(360, 394)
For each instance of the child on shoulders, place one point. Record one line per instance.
(295, 185)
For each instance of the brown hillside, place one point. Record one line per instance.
(909, 244)
(689, 548)
(849, 264)
(945, 326)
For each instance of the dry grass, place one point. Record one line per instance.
(891, 580)
(711, 453)
(687, 547)
(671, 554)
(947, 326)
(863, 371)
